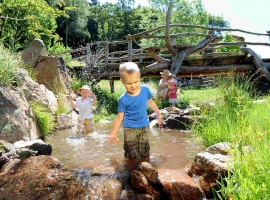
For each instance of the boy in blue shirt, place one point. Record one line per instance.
(132, 112)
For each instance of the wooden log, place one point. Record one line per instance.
(260, 65)
(185, 71)
(238, 44)
(193, 26)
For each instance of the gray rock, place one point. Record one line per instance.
(31, 54)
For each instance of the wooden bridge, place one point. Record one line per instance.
(201, 59)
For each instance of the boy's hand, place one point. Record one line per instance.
(113, 139)
(159, 119)
(90, 92)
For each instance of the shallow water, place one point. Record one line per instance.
(169, 148)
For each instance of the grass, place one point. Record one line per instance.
(63, 106)
(73, 63)
(191, 96)
(198, 96)
(238, 119)
(45, 120)
(9, 62)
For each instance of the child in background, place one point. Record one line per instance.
(162, 90)
(132, 112)
(172, 85)
(85, 119)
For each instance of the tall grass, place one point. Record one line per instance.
(9, 62)
(45, 120)
(244, 123)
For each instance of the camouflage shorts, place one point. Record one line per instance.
(85, 126)
(136, 143)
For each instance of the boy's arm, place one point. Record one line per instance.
(93, 96)
(71, 102)
(116, 125)
(154, 107)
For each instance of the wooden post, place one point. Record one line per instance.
(130, 50)
(88, 54)
(112, 85)
(141, 58)
(107, 54)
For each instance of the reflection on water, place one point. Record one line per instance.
(169, 148)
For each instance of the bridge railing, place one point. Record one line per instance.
(106, 58)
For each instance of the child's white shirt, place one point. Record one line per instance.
(85, 110)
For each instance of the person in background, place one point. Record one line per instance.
(85, 119)
(132, 112)
(172, 86)
(162, 91)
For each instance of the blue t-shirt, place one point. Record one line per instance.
(134, 108)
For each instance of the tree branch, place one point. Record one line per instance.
(167, 30)
(16, 19)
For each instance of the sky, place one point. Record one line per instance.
(248, 15)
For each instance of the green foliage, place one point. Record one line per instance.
(113, 21)
(238, 119)
(45, 120)
(107, 102)
(63, 106)
(250, 165)
(9, 63)
(77, 83)
(184, 12)
(232, 105)
(26, 20)
(229, 38)
(58, 47)
(196, 96)
(73, 29)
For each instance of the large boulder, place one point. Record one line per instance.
(17, 120)
(64, 122)
(178, 185)
(211, 166)
(141, 183)
(31, 54)
(36, 92)
(43, 177)
(52, 72)
(165, 183)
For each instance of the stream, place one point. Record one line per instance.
(170, 149)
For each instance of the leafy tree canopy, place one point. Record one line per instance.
(23, 20)
(184, 12)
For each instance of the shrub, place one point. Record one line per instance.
(58, 47)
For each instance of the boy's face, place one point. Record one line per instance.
(84, 93)
(131, 83)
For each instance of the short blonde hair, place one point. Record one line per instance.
(128, 68)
